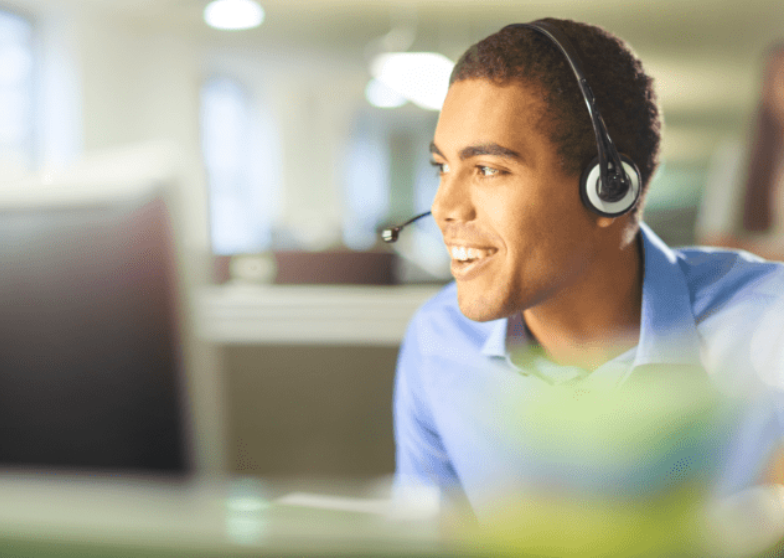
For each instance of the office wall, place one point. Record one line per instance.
(104, 84)
(107, 82)
(310, 411)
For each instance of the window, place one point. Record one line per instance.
(16, 94)
(389, 179)
(241, 158)
(366, 184)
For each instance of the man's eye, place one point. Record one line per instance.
(488, 171)
(440, 167)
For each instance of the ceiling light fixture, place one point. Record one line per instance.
(420, 77)
(381, 96)
(233, 14)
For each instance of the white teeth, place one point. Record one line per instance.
(461, 253)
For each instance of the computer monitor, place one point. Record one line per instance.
(94, 336)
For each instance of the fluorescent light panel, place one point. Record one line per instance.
(420, 77)
(379, 95)
(233, 14)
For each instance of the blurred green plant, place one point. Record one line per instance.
(623, 472)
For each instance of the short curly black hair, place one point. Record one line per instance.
(624, 92)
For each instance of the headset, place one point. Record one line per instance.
(610, 184)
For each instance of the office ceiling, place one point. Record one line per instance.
(704, 54)
(705, 28)
(707, 51)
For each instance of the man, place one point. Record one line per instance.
(549, 293)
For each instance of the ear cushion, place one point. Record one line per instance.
(590, 186)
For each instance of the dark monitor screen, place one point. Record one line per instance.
(90, 363)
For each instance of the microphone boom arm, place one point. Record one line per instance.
(390, 234)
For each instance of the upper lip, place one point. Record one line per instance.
(451, 245)
(467, 244)
(472, 240)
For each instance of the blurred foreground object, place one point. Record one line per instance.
(626, 472)
(99, 370)
(748, 523)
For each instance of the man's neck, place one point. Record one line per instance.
(598, 317)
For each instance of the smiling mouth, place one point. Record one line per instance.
(465, 254)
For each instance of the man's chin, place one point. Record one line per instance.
(477, 309)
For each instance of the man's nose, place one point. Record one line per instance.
(453, 201)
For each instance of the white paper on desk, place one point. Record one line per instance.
(375, 506)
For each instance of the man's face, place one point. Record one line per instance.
(511, 219)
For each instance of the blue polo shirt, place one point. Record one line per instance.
(718, 311)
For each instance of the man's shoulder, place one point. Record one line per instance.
(738, 306)
(720, 279)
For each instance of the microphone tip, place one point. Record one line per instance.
(389, 235)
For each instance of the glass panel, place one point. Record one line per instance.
(241, 160)
(16, 77)
(366, 191)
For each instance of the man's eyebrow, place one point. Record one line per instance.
(483, 149)
(488, 149)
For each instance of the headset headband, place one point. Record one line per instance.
(614, 179)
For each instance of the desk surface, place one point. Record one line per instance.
(54, 515)
(85, 517)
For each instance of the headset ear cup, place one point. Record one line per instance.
(590, 183)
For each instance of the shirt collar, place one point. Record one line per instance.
(668, 332)
(495, 344)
